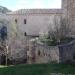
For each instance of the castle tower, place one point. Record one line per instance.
(68, 7)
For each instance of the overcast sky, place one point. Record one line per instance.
(27, 4)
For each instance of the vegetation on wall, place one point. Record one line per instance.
(60, 34)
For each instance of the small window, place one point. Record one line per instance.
(25, 34)
(39, 53)
(15, 20)
(24, 21)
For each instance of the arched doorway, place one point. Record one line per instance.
(3, 59)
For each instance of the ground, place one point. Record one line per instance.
(38, 69)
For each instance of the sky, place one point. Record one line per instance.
(30, 4)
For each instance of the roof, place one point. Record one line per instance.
(36, 11)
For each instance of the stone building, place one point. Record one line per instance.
(30, 22)
(34, 21)
(25, 24)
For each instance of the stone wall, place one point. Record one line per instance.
(43, 54)
(68, 7)
(33, 52)
(47, 54)
(39, 21)
(67, 52)
(36, 23)
(18, 49)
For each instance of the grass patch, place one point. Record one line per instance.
(38, 69)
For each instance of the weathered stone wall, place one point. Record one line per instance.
(18, 49)
(47, 54)
(68, 7)
(67, 52)
(35, 23)
(43, 54)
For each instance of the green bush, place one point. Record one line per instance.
(53, 41)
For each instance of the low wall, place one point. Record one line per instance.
(42, 53)
(58, 54)
(45, 54)
(67, 52)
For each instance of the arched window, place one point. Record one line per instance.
(25, 21)
(25, 34)
(15, 20)
(39, 53)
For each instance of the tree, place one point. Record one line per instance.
(3, 29)
(3, 36)
(62, 29)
